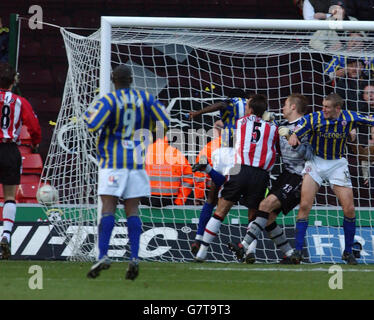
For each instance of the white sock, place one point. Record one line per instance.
(252, 247)
(9, 215)
(202, 253)
(289, 253)
(211, 229)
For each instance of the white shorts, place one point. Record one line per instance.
(124, 183)
(223, 159)
(335, 172)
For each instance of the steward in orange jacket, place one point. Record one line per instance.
(202, 180)
(169, 172)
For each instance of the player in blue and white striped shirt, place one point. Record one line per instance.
(124, 120)
(328, 130)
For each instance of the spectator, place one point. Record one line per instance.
(170, 175)
(317, 9)
(4, 39)
(299, 5)
(361, 9)
(365, 136)
(336, 67)
(202, 179)
(349, 86)
(366, 106)
(324, 40)
(367, 101)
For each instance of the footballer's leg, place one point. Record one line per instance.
(106, 225)
(134, 225)
(309, 190)
(9, 215)
(212, 227)
(345, 197)
(205, 215)
(290, 198)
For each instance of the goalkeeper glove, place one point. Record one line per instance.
(365, 169)
(305, 150)
(268, 116)
(284, 131)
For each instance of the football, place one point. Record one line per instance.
(47, 195)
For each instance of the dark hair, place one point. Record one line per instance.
(337, 3)
(367, 84)
(236, 93)
(122, 75)
(352, 60)
(300, 101)
(7, 74)
(259, 104)
(335, 99)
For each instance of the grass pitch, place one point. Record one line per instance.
(184, 281)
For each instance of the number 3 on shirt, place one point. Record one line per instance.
(129, 122)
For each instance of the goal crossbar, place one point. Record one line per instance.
(107, 22)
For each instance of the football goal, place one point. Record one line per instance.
(189, 63)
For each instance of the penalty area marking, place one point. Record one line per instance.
(279, 269)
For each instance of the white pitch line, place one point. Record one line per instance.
(280, 269)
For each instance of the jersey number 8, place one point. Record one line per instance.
(5, 117)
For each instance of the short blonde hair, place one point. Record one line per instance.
(335, 99)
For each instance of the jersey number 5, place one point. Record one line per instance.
(256, 133)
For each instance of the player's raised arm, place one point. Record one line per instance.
(212, 108)
(362, 119)
(303, 128)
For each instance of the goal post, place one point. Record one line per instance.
(188, 63)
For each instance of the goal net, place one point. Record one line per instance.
(189, 64)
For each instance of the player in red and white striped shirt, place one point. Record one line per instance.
(256, 146)
(15, 111)
(256, 142)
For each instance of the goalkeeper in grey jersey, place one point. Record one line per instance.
(285, 192)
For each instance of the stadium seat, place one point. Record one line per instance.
(54, 50)
(30, 179)
(24, 149)
(86, 19)
(44, 103)
(59, 72)
(30, 50)
(32, 163)
(24, 136)
(36, 78)
(26, 193)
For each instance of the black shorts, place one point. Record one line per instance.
(10, 164)
(248, 186)
(287, 188)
